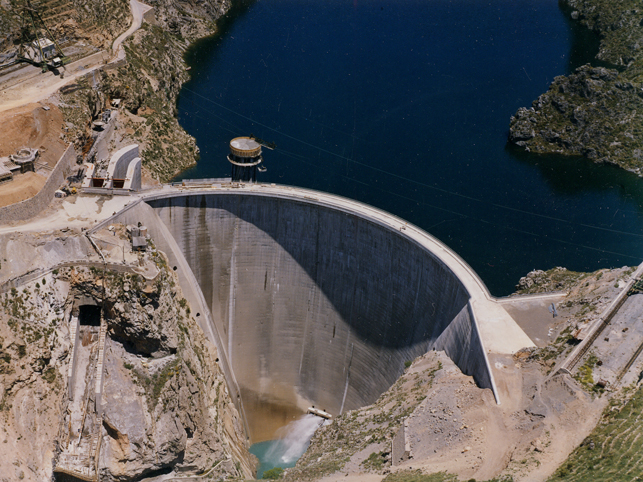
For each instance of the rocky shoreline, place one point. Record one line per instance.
(596, 112)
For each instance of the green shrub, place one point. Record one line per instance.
(375, 461)
(49, 375)
(273, 474)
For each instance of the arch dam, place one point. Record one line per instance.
(314, 299)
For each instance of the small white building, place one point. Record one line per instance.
(47, 46)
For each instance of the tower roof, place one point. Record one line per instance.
(245, 147)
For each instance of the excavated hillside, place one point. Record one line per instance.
(147, 81)
(98, 22)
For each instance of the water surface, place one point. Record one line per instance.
(406, 106)
(284, 451)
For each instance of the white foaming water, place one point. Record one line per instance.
(294, 439)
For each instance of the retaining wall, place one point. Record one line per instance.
(119, 163)
(30, 207)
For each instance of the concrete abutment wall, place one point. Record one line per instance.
(31, 207)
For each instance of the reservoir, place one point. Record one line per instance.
(406, 106)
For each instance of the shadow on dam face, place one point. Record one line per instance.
(315, 305)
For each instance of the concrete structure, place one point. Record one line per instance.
(149, 14)
(400, 446)
(74, 331)
(5, 174)
(139, 243)
(245, 157)
(25, 159)
(313, 299)
(123, 174)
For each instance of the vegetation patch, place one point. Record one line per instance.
(49, 375)
(375, 461)
(556, 279)
(585, 374)
(612, 451)
(273, 474)
(595, 112)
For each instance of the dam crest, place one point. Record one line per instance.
(315, 299)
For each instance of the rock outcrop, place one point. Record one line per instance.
(166, 402)
(164, 407)
(33, 352)
(595, 112)
(148, 82)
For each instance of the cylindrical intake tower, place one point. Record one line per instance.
(245, 157)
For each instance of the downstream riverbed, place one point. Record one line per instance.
(406, 106)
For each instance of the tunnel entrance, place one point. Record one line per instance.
(89, 315)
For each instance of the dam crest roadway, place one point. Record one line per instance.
(315, 299)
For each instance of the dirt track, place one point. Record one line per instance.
(39, 87)
(32, 126)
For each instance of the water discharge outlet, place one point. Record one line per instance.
(292, 442)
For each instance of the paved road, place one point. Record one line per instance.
(138, 9)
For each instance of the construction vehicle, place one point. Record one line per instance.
(37, 44)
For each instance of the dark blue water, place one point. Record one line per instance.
(405, 105)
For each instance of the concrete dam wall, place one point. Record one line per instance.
(312, 304)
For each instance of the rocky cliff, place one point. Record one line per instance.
(596, 112)
(164, 407)
(33, 352)
(148, 82)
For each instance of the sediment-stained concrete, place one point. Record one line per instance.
(318, 300)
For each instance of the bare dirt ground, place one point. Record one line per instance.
(33, 126)
(24, 123)
(30, 126)
(22, 187)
